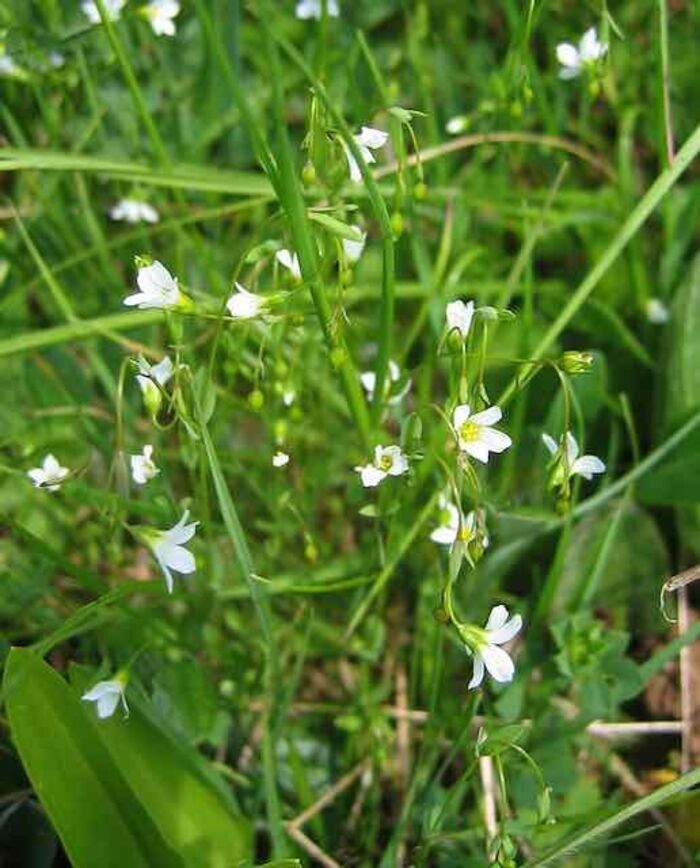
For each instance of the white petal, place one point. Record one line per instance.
(477, 674)
(444, 535)
(550, 444)
(106, 705)
(476, 448)
(495, 440)
(399, 463)
(489, 416)
(567, 55)
(498, 663)
(369, 137)
(280, 459)
(155, 278)
(566, 73)
(163, 371)
(353, 249)
(504, 633)
(590, 47)
(178, 558)
(368, 380)
(587, 465)
(460, 415)
(102, 688)
(497, 618)
(140, 299)
(459, 316)
(370, 475)
(572, 449)
(355, 173)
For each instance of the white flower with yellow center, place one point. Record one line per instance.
(169, 550)
(307, 9)
(106, 696)
(475, 434)
(484, 646)
(280, 459)
(369, 381)
(388, 461)
(158, 289)
(133, 211)
(143, 468)
(573, 60)
(571, 463)
(244, 304)
(161, 16)
(290, 261)
(50, 475)
(459, 317)
(472, 526)
(367, 140)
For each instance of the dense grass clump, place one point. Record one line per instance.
(350, 433)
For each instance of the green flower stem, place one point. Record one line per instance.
(631, 226)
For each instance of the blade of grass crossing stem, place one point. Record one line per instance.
(580, 840)
(102, 370)
(386, 308)
(387, 572)
(292, 202)
(631, 226)
(262, 610)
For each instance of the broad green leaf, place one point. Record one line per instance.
(81, 787)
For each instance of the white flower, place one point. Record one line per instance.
(367, 140)
(280, 459)
(150, 378)
(143, 468)
(106, 695)
(245, 305)
(290, 261)
(657, 312)
(133, 211)
(353, 249)
(445, 533)
(168, 548)
(161, 15)
(113, 8)
(459, 317)
(457, 125)
(288, 397)
(574, 60)
(584, 465)
(56, 59)
(388, 461)
(50, 475)
(484, 646)
(475, 435)
(313, 9)
(158, 288)
(369, 381)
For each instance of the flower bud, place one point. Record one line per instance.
(576, 362)
(256, 399)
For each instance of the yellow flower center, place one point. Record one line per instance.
(385, 463)
(469, 431)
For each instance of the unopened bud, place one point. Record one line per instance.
(256, 399)
(576, 362)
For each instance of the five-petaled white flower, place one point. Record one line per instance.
(133, 211)
(369, 381)
(306, 9)
(472, 526)
(459, 317)
(475, 435)
(657, 312)
(574, 60)
(280, 459)
(367, 140)
(161, 16)
(572, 464)
(106, 696)
(353, 249)
(113, 8)
(158, 289)
(244, 304)
(290, 261)
(388, 461)
(143, 468)
(50, 475)
(168, 548)
(483, 644)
